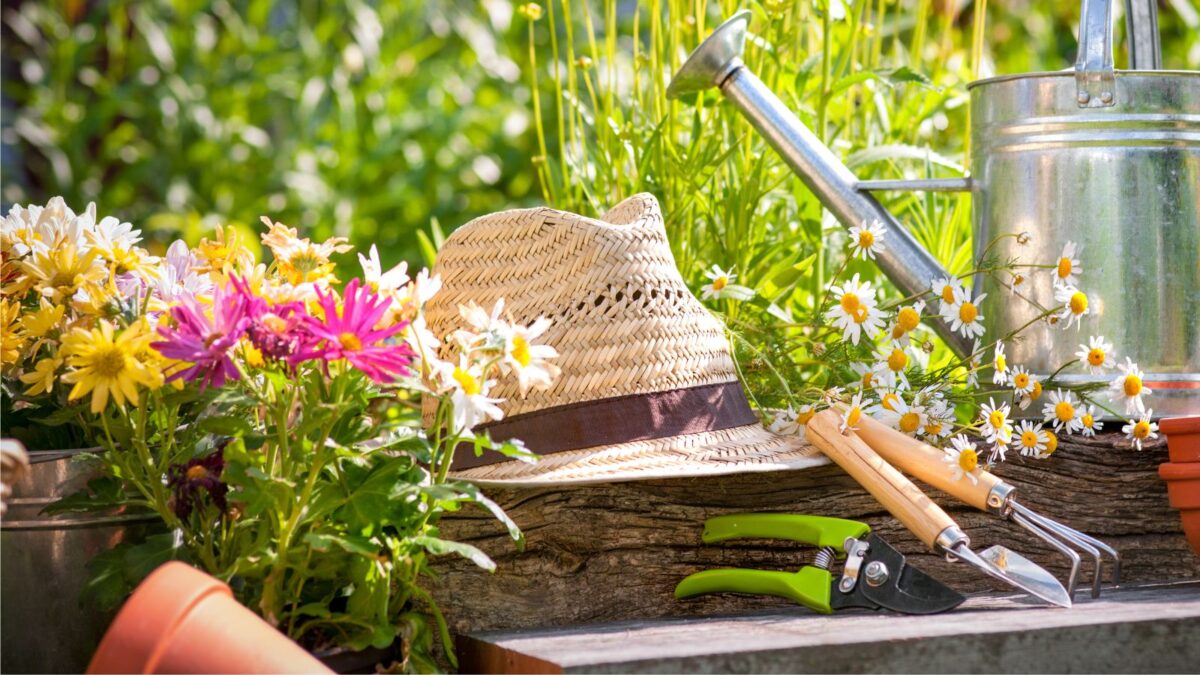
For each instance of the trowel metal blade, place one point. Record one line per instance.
(1016, 570)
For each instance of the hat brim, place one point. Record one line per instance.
(744, 449)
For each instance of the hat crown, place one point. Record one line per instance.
(623, 320)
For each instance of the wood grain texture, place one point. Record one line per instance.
(615, 551)
(904, 500)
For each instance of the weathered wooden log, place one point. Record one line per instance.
(615, 551)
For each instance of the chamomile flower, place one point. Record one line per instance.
(995, 424)
(867, 240)
(890, 400)
(889, 370)
(1095, 355)
(963, 315)
(1063, 411)
(1022, 381)
(855, 312)
(866, 373)
(386, 283)
(947, 290)
(939, 419)
(1087, 418)
(529, 361)
(104, 363)
(1075, 305)
(787, 422)
(1128, 387)
(1141, 429)
(721, 286)
(1067, 266)
(908, 419)
(852, 414)
(999, 365)
(1035, 392)
(908, 320)
(472, 405)
(1051, 443)
(963, 458)
(1030, 439)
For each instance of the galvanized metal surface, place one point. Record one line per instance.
(1121, 181)
(43, 569)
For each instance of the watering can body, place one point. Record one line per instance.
(1107, 159)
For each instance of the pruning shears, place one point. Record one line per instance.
(874, 575)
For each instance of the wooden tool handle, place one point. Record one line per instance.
(925, 462)
(904, 500)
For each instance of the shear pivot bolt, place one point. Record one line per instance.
(876, 573)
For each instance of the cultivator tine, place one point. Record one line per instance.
(1059, 535)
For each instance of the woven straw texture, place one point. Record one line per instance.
(624, 322)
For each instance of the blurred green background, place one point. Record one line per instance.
(372, 120)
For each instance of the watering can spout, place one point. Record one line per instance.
(717, 63)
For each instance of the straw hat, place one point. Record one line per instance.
(648, 388)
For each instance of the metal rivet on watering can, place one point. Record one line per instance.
(1083, 98)
(1106, 96)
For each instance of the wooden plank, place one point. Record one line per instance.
(615, 552)
(1144, 629)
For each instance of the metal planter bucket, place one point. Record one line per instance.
(43, 568)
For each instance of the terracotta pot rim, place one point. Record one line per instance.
(1180, 425)
(1179, 471)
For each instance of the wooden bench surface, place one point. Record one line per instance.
(1151, 628)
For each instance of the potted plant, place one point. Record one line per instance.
(270, 417)
(1182, 473)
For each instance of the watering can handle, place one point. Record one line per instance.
(1095, 82)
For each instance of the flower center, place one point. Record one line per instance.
(520, 350)
(1037, 391)
(108, 362)
(908, 319)
(860, 314)
(1001, 363)
(867, 378)
(197, 473)
(968, 313)
(1096, 357)
(968, 459)
(889, 401)
(1088, 420)
(1079, 303)
(1064, 411)
(1133, 385)
(897, 360)
(1051, 442)
(213, 337)
(866, 239)
(275, 323)
(853, 416)
(720, 282)
(996, 419)
(909, 422)
(469, 384)
(1029, 439)
(948, 294)
(805, 415)
(1141, 429)
(350, 342)
(850, 302)
(1021, 380)
(933, 428)
(1064, 268)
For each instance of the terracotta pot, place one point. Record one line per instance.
(1183, 489)
(1183, 438)
(181, 620)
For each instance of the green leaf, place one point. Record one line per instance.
(62, 415)
(362, 546)
(905, 74)
(225, 425)
(438, 546)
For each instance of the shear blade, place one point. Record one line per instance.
(907, 590)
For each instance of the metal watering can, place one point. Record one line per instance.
(1108, 159)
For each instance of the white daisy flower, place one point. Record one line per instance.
(855, 312)
(1140, 430)
(1088, 419)
(1095, 355)
(1022, 381)
(384, 283)
(963, 316)
(994, 419)
(1075, 305)
(852, 414)
(907, 418)
(867, 240)
(527, 360)
(1018, 280)
(791, 422)
(889, 400)
(469, 395)
(907, 321)
(832, 394)
(1063, 411)
(489, 330)
(866, 373)
(721, 286)
(1030, 439)
(1067, 266)
(999, 365)
(963, 459)
(889, 369)
(946, 290)
(1035, 392)
(1128, 387)
(939, 420)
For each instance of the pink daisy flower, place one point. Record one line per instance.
(205, 341)
(352, 335)
(279, 331)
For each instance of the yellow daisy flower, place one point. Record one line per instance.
(59, 273)
(41, 378)
(104, 363)
(224, 254)
(10, 340)
(299, 260)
